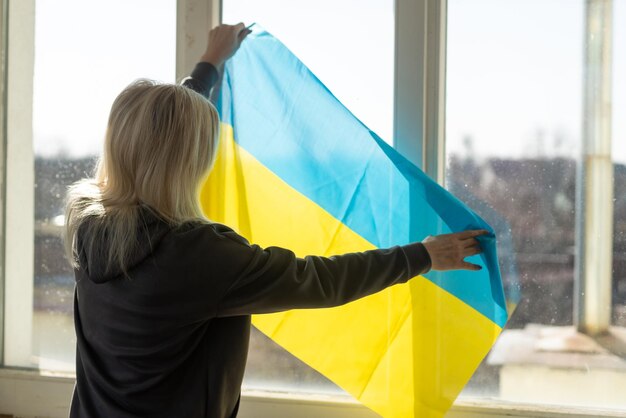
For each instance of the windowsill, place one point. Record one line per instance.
(561, 347)
(30, 393)
(547, 364)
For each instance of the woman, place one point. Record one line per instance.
(164, 296)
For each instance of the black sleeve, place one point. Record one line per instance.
(274, 279)
(202, 78)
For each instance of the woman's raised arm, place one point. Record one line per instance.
(223, 42)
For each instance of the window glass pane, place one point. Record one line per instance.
(349, 46)
(85, 54)
(514, 127)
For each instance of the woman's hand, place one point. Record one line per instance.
(224, 41)
(447, 252)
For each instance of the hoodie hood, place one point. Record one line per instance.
(93, 259)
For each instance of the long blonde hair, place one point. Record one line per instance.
(159, 145)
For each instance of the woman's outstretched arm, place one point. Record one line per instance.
(274, 279)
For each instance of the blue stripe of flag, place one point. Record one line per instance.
(289, 121)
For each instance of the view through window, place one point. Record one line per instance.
(85, 54)
(514, 130)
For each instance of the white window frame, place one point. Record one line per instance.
(35, 394)
(419, 105)
(19, 223)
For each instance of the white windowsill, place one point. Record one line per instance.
(30, 393)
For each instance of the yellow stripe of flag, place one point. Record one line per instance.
(402, 352)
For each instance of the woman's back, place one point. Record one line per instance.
(151, 345)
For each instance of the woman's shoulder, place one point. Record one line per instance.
(208, 230)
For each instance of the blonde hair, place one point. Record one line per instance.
(159, 145)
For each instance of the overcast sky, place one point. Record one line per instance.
(514, 74)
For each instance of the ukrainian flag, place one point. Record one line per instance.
(296, 169)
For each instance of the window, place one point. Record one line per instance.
(514, 122)
(514, 118)
(361, 76)
(85, 54)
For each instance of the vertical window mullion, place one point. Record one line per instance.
(19, 205)
(594, 215)
(193, 19)
(419, 99)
